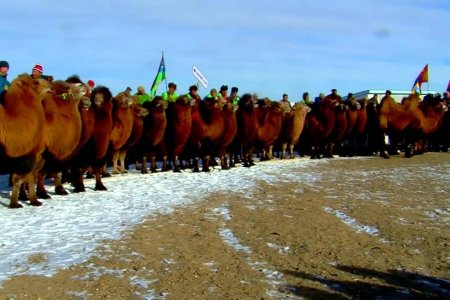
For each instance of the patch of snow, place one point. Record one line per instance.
(352, 222)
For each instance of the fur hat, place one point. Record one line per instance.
(234, 89)
(224, 88)
(193, 88)
(4, 63)
(171, 84)
(38, 68)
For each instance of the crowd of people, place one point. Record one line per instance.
(171, 95)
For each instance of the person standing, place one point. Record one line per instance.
(319, 99)
(223, 95)
(4, 83)
(305, 99)
(234, 98)
(193, 94)
(334, 96)
(170, 95)
(212, 95)
(142, 95)
(286, 103)
(37, 73)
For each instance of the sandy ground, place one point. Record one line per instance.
(367, 228)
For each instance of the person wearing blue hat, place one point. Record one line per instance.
(4, 83)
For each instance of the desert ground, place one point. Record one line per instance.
(347, 228)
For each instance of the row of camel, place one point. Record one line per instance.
(50, 128)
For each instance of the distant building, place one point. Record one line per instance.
(398, 95)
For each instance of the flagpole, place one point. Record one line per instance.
(165, 78)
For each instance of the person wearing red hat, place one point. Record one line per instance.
(90, 87)
(37, 72)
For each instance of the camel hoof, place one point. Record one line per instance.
(43, 195)
(384, 155)
(106, 174)
(23, 196)
(15, 205)
(144, 171)
(35, 203)
(100, 187)
(153, 170)
(59, 190)
(79, 189)
(114, 172)
(89, 176)
(177, 170)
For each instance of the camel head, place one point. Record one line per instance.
(100, 95)
(123, 100)
(139, 111)
(25, 85)
(65, 91)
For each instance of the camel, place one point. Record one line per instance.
(270, 118)
(247, 133)
(155, 124)
(319, 125)
(226, 141)
(119, 156)
(22, 141)
(293, 124)
(176, 135)
(409, 120)
(62, 119)
(94, 152)
(122, 126)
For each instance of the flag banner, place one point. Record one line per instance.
(448, 86)
(423, 77)
(160, 76)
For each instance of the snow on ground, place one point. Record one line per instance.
(66, 229)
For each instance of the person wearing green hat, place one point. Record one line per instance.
(4, 83)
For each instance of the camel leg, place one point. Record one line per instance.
(270, 153)
(23, 194)
(104, 171)
(165, 167)
(195, 167)
(291, 151)
(16, 184)
(223, 162)
(78, 181)
(205, 167)
(116, 155)
(122, 157)
(41, 192)
(283, 151)
(32, 178)
(99, 186)
(59, 189)
(176, 166)
(153, 166)
(144, 165)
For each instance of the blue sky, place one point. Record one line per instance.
(267, 47)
